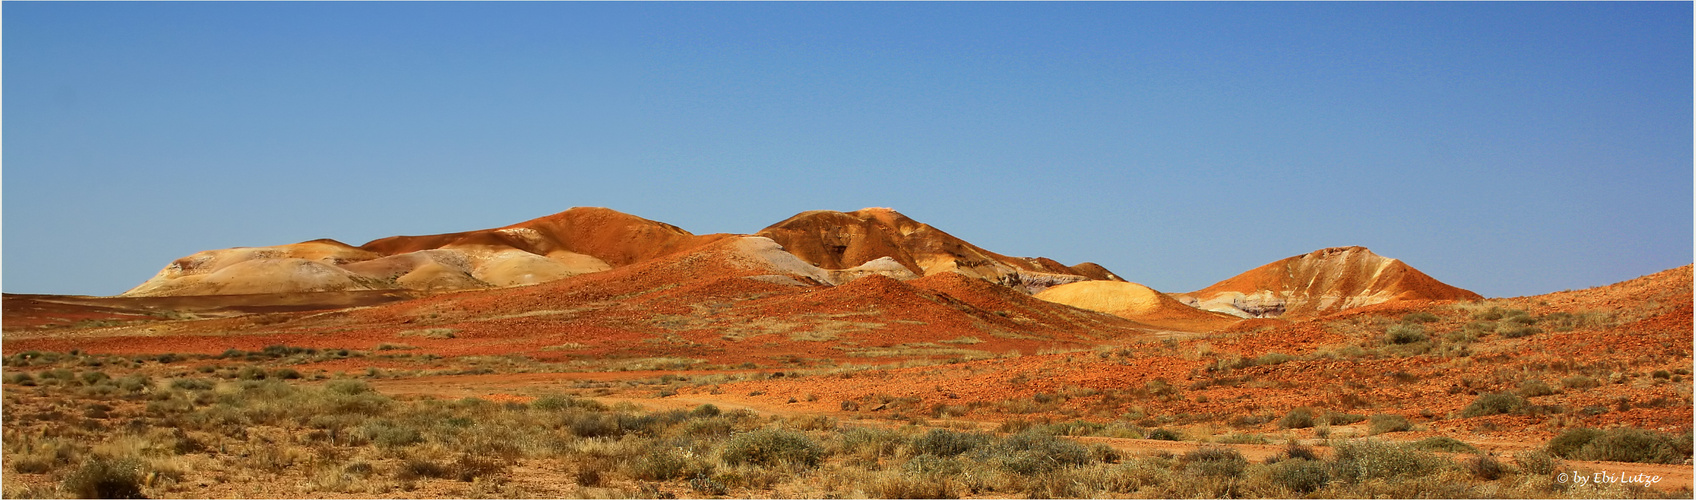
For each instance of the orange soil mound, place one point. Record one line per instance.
(1137, 303)
(838, 240)
(1323, 281)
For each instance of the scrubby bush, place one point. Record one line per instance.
(1362, 460)
(665, 465)
(388, 434)
(705, 410)
(1535, 387)
(105, 478)
(1384, 423)
(251, 373)
(92, 378)
(1035, 453)
(20, 378)
(947, 443)
(1300, 476)
(1402, 334)
(1621, 445)
(1493, 404)
(1299, 418)
(1294, 451)
(768, 447)
(1214, 462)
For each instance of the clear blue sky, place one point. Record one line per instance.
(1507, 148)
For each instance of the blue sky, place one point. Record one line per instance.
(1507, 148)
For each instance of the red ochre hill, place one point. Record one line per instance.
(1323, 281)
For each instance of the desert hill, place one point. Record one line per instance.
(839, 246)
(727, 297)
(576, 241)
(843, 240)
(1322, 281)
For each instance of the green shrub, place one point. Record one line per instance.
(95, 377)
(1405, 334)
(20, 378)
(251, 373)
(1299, 418)
(706, 410)
(1214, 462)
(1384, 423)
(1636, 445)
(664, 465)
(947, 443)
(708, 427)
(105, 478)
(1499, 403)
(286, 374)
(387, 434)
(1036, 453)
(1444, 443)
(768, 447)
(1568, 444)
(1300, 476)
(1358, 461)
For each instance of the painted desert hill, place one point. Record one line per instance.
(842, 240)
(728, 298)
(589, 240)
(576, 241)
(1323, 281)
